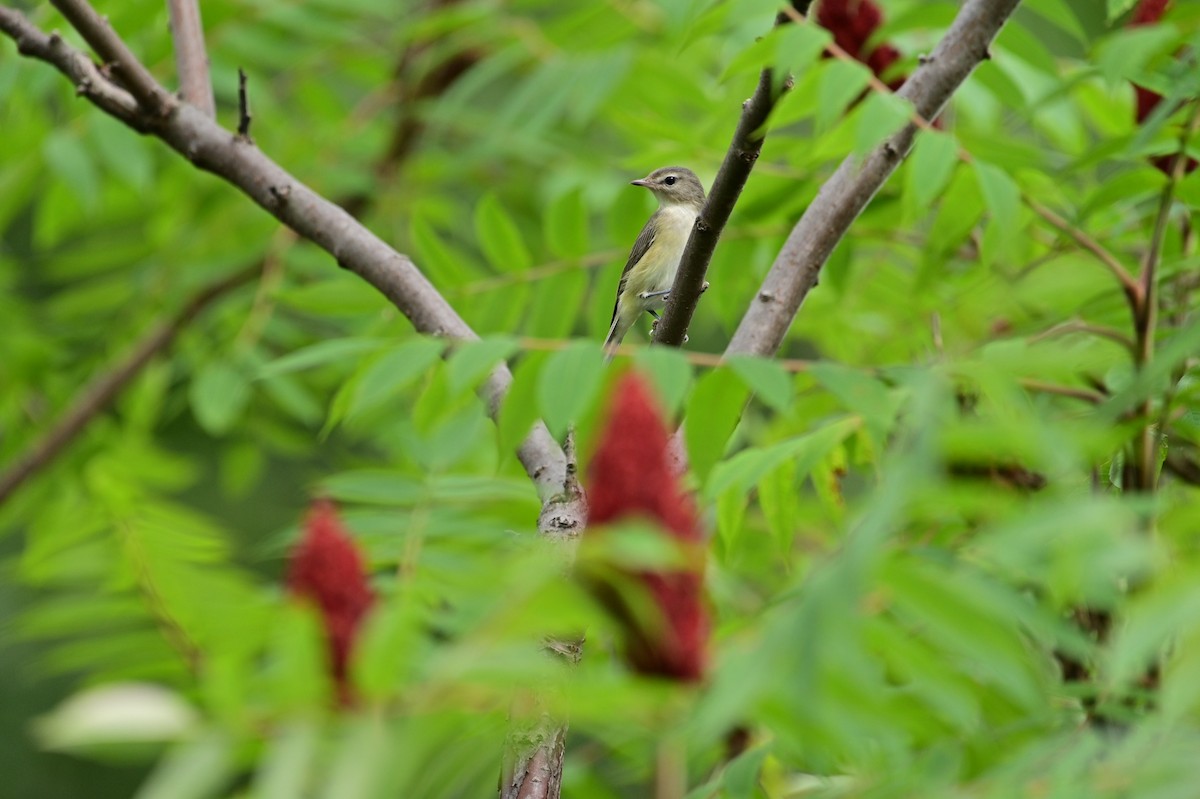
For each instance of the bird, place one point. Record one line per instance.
(650, 269)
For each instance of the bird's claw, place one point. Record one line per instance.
(704, 287)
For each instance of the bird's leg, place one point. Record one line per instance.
(665, 293)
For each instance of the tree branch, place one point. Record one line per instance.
(191, 57)
(101, 391)
(852, 186)
(726, 188)
(98, 33)
(214, 149)
(1128, 284)
(1146, 314)
(1080, 326)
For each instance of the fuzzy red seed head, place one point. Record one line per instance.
(852, 22)
(631, 477)
(1148, 12)
(327, 570)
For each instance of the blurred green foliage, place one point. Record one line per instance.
(904, 534)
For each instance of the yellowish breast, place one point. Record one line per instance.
(656, 271)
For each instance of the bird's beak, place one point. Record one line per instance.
(641, 182)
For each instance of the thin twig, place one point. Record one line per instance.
(1147, 317)
(98, 33)
(1079, 326)
(1080, 237)
(191, 57)
(101, 391)
(1042, 387)
(726, 188)
(244, 117)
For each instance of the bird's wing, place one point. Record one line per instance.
(640, 247)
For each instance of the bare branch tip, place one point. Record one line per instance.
(244, 118)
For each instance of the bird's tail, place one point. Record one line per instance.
(616, 332)
(611, 342)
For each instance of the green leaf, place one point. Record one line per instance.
(359, 761)
(556, 305)
(929, 169)
(66, 156)
(499, 236)
(566, 225)
(769, 381)
(568, 382)
(286, 768)
(436, 258)
(473, 361)
(799, 46)
(862, 394)
(879, 116)
(670, 371)
(376, 486)
(960, 208)
(218, 395)
(337, 350)
(713, 412)
(976, 624)
(840, 83)
(192, 771)
(731, 520)
(1123, 55)
(1158, 614)
(385, 376)
(1118, 7)
(744, 470)
(740, 777)
(520, 407)
(779, 497)
(1002, 198)
(788, 49)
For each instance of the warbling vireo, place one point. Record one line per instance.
(650, 270)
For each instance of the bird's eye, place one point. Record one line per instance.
(669, 180)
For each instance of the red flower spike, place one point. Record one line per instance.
(1148, 11)
(630, 477)
(852, 22)
(327, 569)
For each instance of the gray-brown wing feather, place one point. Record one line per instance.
(640, 247)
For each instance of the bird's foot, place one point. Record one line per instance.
(646, 295)
(704, 287)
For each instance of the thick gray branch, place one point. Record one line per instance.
(191, 57)
(214, 149)
(852, 186)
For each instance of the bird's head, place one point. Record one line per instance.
(674, 185)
